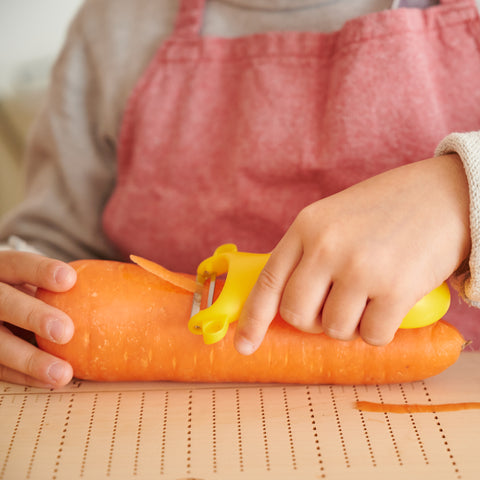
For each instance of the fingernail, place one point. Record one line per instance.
(56, 330)
(64, 275)
(244, 346)
(56, 372)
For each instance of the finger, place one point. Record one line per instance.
(34, 315)
(12, 376)
(342, 311)
(22, 357)
(27, 288)
(381, 320)
(22, 267)
(263, 301)
(304, 295)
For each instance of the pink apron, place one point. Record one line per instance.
(226, 139)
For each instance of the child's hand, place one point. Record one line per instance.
(20, 362)
(360, 259)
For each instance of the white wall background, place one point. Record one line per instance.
(31, 35)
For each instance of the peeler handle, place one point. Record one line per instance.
(429, 309)
(243, 269)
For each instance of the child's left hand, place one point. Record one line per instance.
(360, 259)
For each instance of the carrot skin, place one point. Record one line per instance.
(180, 280)
(131, 325)
(365, 406)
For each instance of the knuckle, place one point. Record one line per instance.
(292, 317)
(339, 333)
(30, 365)
(394, 295)
(322, 251)
(309, 323)
(249, 325)
(268, 281)
(44, 272)
(34, 320)
(252, 325)
(362, 270)
(380, 325)
(44, 269)
(376, 340)
(325, 247)
(335, 327)
(360, 265)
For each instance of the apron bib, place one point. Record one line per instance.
(227, 139)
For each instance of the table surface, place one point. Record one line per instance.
(230, 431)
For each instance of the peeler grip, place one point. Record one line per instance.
(429, 309)
(243, 269)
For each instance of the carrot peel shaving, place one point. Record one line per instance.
(179, 280)
(414, 408)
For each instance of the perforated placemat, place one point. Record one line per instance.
(223, 431)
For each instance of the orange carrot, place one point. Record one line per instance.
(132, 325)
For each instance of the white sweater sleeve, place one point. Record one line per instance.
(71, 155)
(467, 146)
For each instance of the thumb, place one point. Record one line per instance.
(262, 304)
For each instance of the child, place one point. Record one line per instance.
(320, 131)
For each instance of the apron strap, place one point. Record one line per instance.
(189, 17)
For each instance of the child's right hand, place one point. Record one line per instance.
(20, 361)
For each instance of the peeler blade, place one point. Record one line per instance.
(198, 294)
(211, 290)
(197, 298)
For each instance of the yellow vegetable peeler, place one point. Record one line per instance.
(243, 269)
